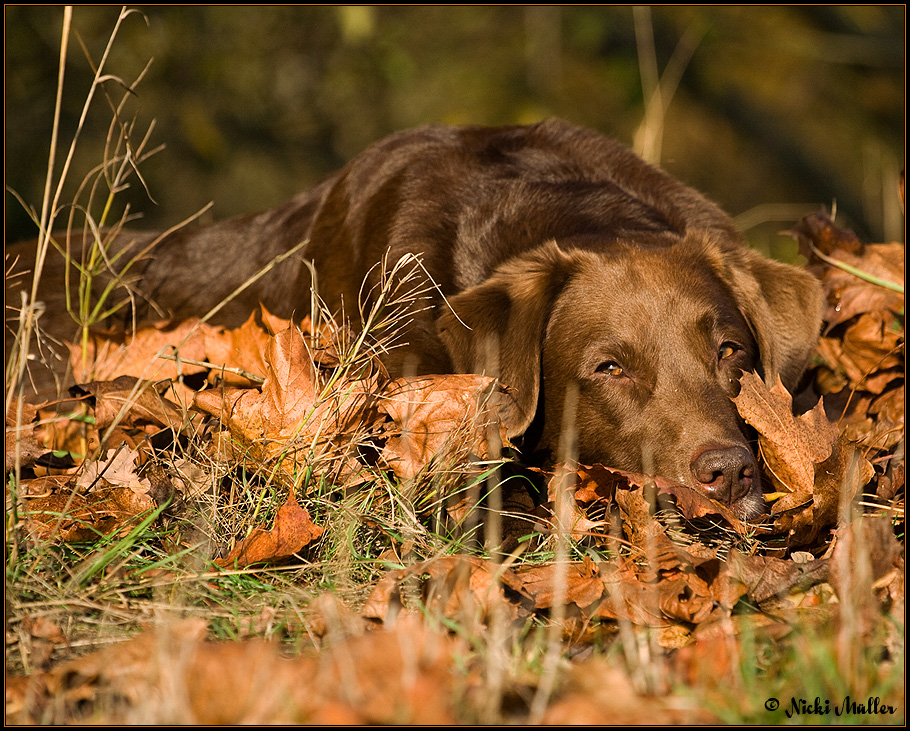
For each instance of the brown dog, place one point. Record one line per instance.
(571, 269)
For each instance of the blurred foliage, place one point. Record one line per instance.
(778, 110)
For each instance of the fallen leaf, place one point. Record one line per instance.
(297, 419)
(791, 447)
(402, 676)
(839, 479)
(865, 551)
(599, 693)
(441, 417)
(465, 588)
(819, 229)
(767, 577)
(572, 582)
(128, 401)
(118, 468)
(23, 445)
(42, 636)
(849, 295)
(63, 515)
(140, 353)
(292, 531)
(240, 348)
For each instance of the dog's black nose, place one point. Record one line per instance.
(726, 474)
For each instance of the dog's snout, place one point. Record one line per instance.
(726, 474)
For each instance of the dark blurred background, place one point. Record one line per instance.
(772, 111)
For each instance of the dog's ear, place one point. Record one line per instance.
(497, 328)
(784, 305)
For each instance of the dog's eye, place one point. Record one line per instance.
(727, 350)
(610, 368)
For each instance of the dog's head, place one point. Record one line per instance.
(630, 356)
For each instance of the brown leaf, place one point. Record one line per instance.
(849, 295)
(865, 552)
(467, 588)
(295, 417)
(275, 324)
(293, 529)
(574, 582)
(671, 586)
(827, 237)
(639, 525)
(44, 486)
(129, 401)
(597, 487)
(23, 444)
(139, 355)
(628, 598)
(872, 343)
(600, 693)
(766, 577)
(588, 492)
(839, 479)
(64, 516)
(693, 504)
(598, 484)
(790, 446)
(117, 468)
(42, 628)
(41, 637)
(405, 675)
(239, 348)
(438, 415)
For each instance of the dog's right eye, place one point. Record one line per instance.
(610, 368)
(727, 350)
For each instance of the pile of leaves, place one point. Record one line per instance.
(290, 439)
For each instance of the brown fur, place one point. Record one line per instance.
(570, 269)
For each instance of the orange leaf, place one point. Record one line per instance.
(240, 348)
(791, 446)
(130, 401)
(293, 529)
(437, 415)
(294, 416)
(139, 354)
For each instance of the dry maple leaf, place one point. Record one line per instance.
(791, 446)
(405, 675)
(118, 468)
(296, 417)
(140, 353)
(438, 415)
(62, 515)
(862, 349)
(866, 557)
(129, 401)
(466, 588)
(237, 349)
(828, 248)
(807, 456)
(596, 488)
(767, 577)
(599, 693)
(850, 295)
(575, 582)
(293, 529)
(23, 443)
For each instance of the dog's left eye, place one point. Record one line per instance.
(727, 350)
(610, 368)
